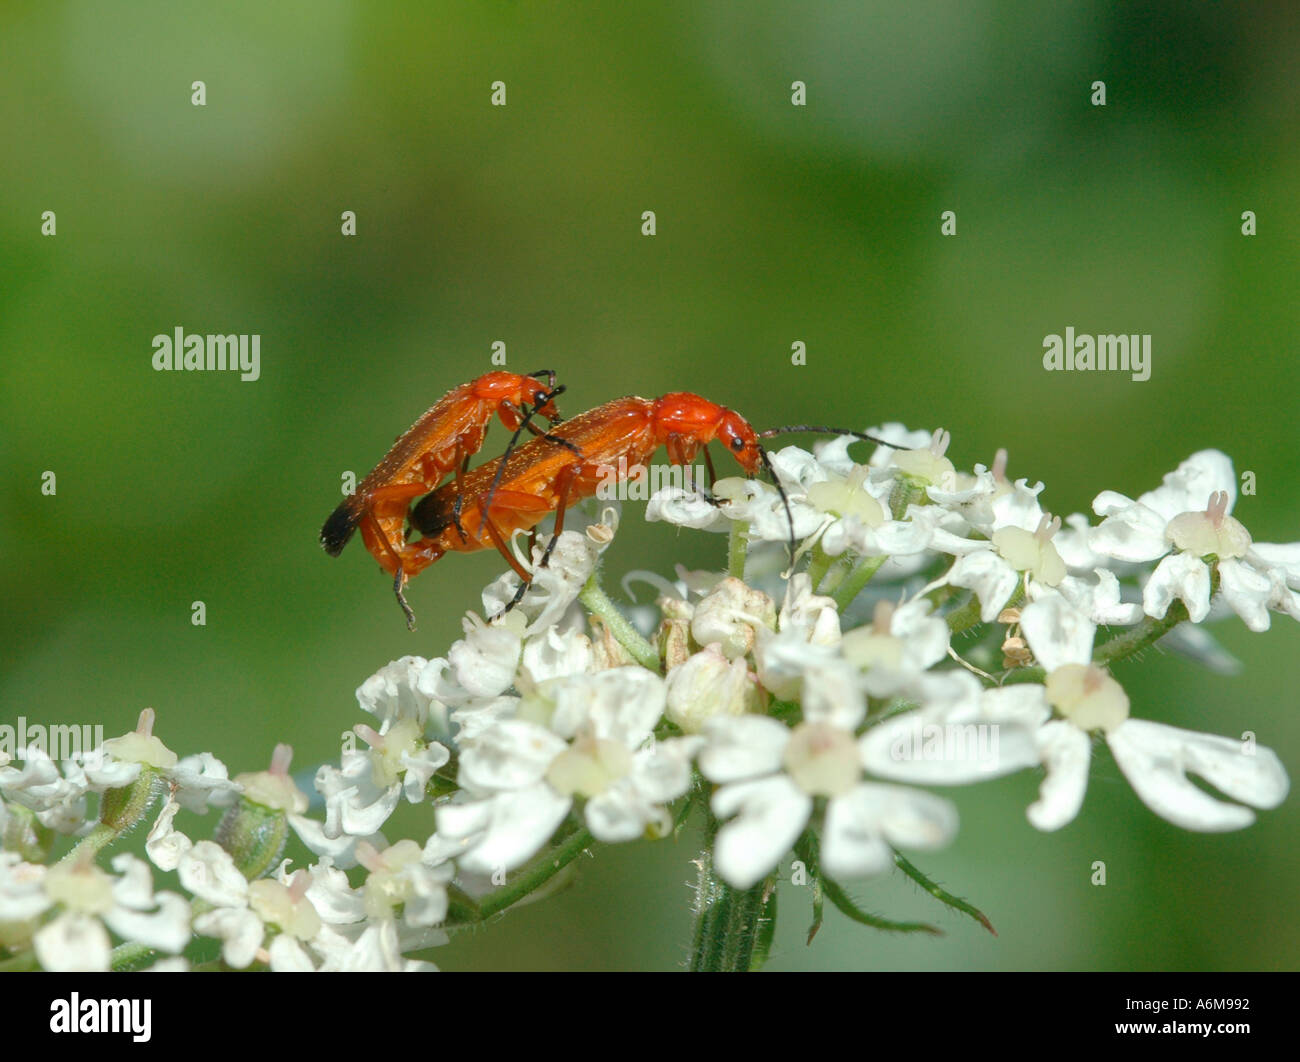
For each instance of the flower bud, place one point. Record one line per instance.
(255, 830)
(730, 614)
(708, 685)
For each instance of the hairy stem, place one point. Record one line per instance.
(597, 602)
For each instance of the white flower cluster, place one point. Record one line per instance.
(795, 721)
(543, 727)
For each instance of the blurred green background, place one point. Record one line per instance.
(522, 224)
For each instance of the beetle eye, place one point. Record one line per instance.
(737, 444)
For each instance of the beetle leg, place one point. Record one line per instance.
(399, 584)
(713, 477)
(563, 484)
(503, 548)
(461, 469)
(383, 525)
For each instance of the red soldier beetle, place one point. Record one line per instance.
(440, 443)
(515, 492)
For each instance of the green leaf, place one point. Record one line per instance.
(841, 899)
(942, 895)
(819, 909)
(808, 849)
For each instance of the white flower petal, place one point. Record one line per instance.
(553, 653)
(1284, 557)
(863, 824)
(505, 830)
(1071, 543)
(202, 781)
(992, 579)
(419, 768)
(166, 929)
(363, 810)
(437, 682)
(743, 746)
(22, 893)
(340, 847)
(165, 845)
(619, 813)
(814, 617)
(288, 956)
(770, 815)
(1057, 632)
(1130, 532)
(511, 755)
(621, 704)
(675, 505)
(239, 930)
(1180, 575)
(477, 719)
(833, 694)
(1018, 507)
(134, 888)
(784, 658)
(426, 904)
(1065, 751)
(1156, 760)
(208, 871)
(1247, 592)
(73, 943)
(663, 772)
(334, 899)
(1188, 487)
(958, 745)
(1101, 602)
(484, 661)
(393, 692)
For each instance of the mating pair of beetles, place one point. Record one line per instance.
(562, 464)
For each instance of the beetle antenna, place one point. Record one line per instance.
(514, 439)
(791, 428)
(789, 515)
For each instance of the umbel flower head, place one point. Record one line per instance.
(935, 627)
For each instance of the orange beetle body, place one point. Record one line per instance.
(569, 463)
(438, 444)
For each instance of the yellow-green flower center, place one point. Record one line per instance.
(822, 759)
(1087, 696)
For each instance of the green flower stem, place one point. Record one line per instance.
(1135, 639)
(536, 876)
(120, 810)
(463, 910)
(727, 920)
(818, 566)
(737, 547)
(597, 602)
(99, 838)
(853, 583)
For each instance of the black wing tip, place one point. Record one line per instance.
(339, 528)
